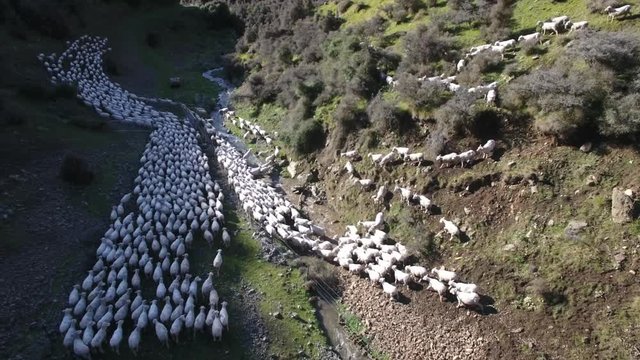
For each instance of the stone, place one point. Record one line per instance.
(293, 169)
(517, 330)
(586, 147)
(592, 180)
(509, 247)
(622, 207)
(574, 229)
(277, 315)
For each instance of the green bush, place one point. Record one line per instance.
(622, 118)
(455, 118)
(308, 136)
(423, 95)
(385, 117)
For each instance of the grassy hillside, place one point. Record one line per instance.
(574, 296)
(56, 225)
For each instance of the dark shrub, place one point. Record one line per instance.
(12, 115)
(423, 95)
(499, 20)
(152, 39)
(619, 51)
(344, 5)
(44, 16)
(75, 170)
(622, 118)
(385, 117)
(455, 117)
(484, 62)
(426, 45)
(308, 137)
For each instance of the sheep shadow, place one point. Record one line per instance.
(498, 153)
(464, 238)
(414, 286)
(435, 210)
(402, 299)
(630, 17)
(488, 305)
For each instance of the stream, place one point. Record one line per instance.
(327, 312)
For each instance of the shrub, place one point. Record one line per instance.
(622, 118)
(308, 137)
(385, 117)
(344, 5)
(75, 170)
(426, 45)
(12, 115)
(152, 39)
(500, 20)
(423, 95)
(619, 51)
(349, 116)
(455, 117)
(484, 62)
(411, 6)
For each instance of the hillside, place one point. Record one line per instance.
(556, 266)
(319, 81)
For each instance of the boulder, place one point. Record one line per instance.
(574, 229)
(622, 206)
(293, 169)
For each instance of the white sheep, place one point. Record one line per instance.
(417, 271)
(466, 157)
(389, 158)
(487, 149)
(579, 25)
(389, 289)
(375, 158)
(401, 276)
(529, 37)
(617, 12)
(424, 201)
(460, 65)
(450, 227)
(356, 268)
(447, 159)
(365, 183)
(467, 299)
(404, 193)
(563, 19)
(506, 43)
(351, 154)
(444, 275)
(416, 157)
(437, 286)
(374, 276)
(380, 194)
(548, 26)
(491, 97)
(468, 288)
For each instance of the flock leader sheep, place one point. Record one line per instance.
(174, 201)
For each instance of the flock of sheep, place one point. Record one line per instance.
(365, 248)
(174, 201)
(489, 91)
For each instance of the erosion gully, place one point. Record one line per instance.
(326, 310)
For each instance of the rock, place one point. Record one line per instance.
(592, 180)
(293, 169)
(574, 228)
(175, 82)
(622, 207)
(509, 247)
(517, 330)
(277, 315)
(586, 147)
(618, 259)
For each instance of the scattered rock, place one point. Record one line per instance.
(622, 206)
(517, 330)
(277, 315)
(618, 259)
(509, 247)
(293, 168)
(574, 229)
(586, 147)
(592, 180)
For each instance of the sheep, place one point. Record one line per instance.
(580, 25)
(380, 194)
(617, 12)
(349, 168)
(417, 271)
(161, 332)
(365, 183)
(416, 157)
(468, 288)
(460, 65)
(450, 227)
(563, 19)
(402, 151)
(217, 261)
(506, 43)
(356, 268)
(424, 201)
(374, 276)
(548, 26)
(351, 154)
(491, 97)
(466, 157)
(401, 276)
(467, 299)
(436, 286)
(529, 37)
(444, 275)
(404, 193)
(499, 49)
(487, 149)
(375, 158)
(388, 288)
(389, 158)
(447, 159)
